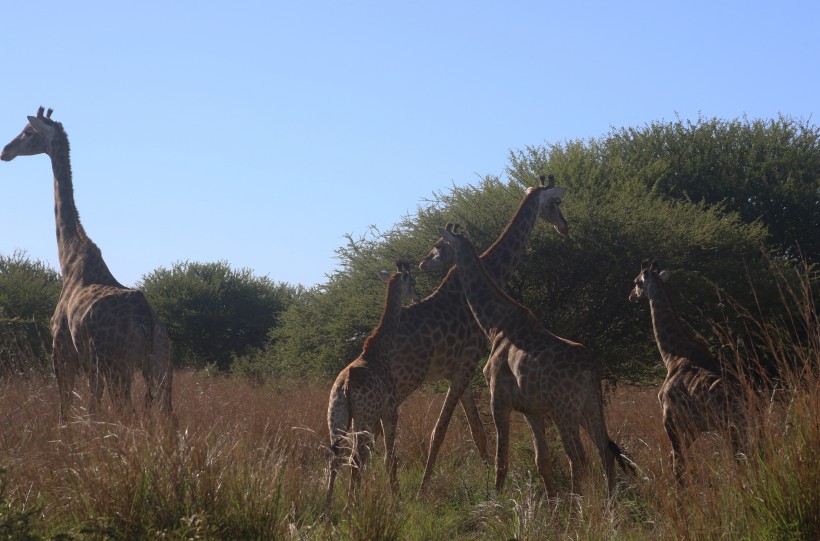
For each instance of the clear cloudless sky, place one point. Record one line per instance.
(260, 133)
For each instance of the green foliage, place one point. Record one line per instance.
(767, 170)
(214, 313)
(707, 199)
(29, 291)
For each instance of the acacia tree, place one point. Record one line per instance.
(214, 313)
(764, 170)
(625, 202)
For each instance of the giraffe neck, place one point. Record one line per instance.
(501, 259)
(379, 345)
(673, 340)
(80, 259)
(490, 306)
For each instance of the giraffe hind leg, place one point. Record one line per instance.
(574, 447)
(542, 458)
(477, 431)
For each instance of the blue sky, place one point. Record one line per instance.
(262, 132)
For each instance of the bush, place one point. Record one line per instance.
(29, 291)
(214, 313)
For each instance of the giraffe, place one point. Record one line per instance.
(99, 326)
(532, 371)
(363, 394)
(438, 337)
(697, 395)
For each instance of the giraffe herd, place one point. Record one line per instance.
(106, 332)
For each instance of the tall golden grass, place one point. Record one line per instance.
(248, 461)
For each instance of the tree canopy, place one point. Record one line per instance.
(705, 198)
(716, 201)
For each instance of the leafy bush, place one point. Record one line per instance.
(29, 291)
(214, 313)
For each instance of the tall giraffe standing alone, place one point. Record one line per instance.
(532, 371)
(363, 394)
(99, 326)
(438, 337)
(697, 395)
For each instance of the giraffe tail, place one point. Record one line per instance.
(338, 417)
(624, 461)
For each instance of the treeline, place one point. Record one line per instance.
(720, 203)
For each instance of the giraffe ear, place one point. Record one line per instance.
(665, 274)
(384, 275)
(38, 125)
(446, 233)
(554, 192)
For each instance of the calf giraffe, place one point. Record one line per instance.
(364, 394)
(532, 371)
(697, 395)
(99, 326)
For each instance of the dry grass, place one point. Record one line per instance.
(246, 461)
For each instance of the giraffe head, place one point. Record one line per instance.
(407, 284)
(34, 139)
(649, 282)
(549, 209)
(453, 239)
(549, 204)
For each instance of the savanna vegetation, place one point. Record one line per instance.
(732, 207)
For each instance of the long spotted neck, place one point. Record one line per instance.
(80, 259)
(489, 304)
(501, 259)
(673, 340)
(379, 345)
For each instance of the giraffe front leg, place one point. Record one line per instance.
(476, 426)
(501, 418)
(390, 463)
(453, 395)
(676, 438)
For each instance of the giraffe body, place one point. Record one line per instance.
(99, 328)
(438, 338)
(532, 371)
(363, 399)
(697, 395)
